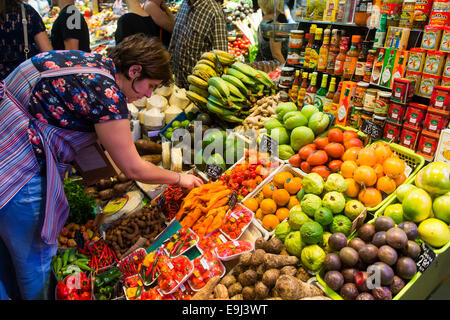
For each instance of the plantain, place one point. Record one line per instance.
(201, 74)
(246, 69)
(221, 85)
(265, 79)
(209, 56)
(235, 91)
(196, 98)
(237, 83)
(206, 62)
(204, 93)
(206, 69)
(199, 82)
(214, 92)
(224, 57)
(244, 79)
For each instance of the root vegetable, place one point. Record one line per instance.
(121, 188)
(290, 270)
(106, 194)
(237, 297)
(221, 292)
(145, 147)
(228, 280)
(291, 288)
(259, 243)
(279, 261)
(302, 274)
(122, 177)
(257, 257)
(261, 291)
(153, 158)
(245, 258)
(234, 289)
(248, 278)
(260, 270)
(238, 269)
(248, 293)
(205, 292)
(274, 245)
(316, 298)
(270, 277)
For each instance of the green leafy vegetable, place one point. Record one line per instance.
(81, 204)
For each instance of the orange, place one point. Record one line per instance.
(352, 188)
(378, 170)
(281, 197)
(259, 197)
(365, 175)
(348, 168)
(280, 178)
(268, 190)
(400, 180)
(293, 201)
(251, 204)
(270, 222)
(394, 167)
(293, 185)
(371, 197)
(351, 154)
(382, 151)
(268, 206)
(366, 157)
(282, 213)
(259, 214)
(386, 184)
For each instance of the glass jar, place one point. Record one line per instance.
(287, 76)
(369, 100)
(355, 117)
(407, 15)
(382, 104)
(362, 12)
(360, 94)
(296, 39)
(379, 120)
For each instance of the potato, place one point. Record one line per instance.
(257, 257)
(234, 289)
(153, 158)
(270, 277)
(245, 258)
(261, 291)
(279, 261)
(302, 274)
(121, 188)
(259, 243)
(291, 288)
(274, 245)
(248, 278)
(260, 270)
(221, 292)
(290, 270)
(228, 280)
(148, 147)
(248, 293)
(239, 268)
(237, 297)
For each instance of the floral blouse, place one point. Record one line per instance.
(74, 102)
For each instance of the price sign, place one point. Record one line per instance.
(268, 144)
(214, 171)
(425, 258)
(358, 222)
(233, 200)
(372, 129)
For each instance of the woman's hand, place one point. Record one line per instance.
(189, 181)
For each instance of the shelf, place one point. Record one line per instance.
(343, 24)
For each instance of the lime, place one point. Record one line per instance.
(185, 123)
(176, 124)
(395, 211)
(324, 216)
(311, 232)
(300, 195)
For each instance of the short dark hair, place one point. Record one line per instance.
(138, 49)
(7, 6)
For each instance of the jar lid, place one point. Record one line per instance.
(281, 86)
(288, 69)
(379, 117)
(359, 108)
(372, 91)
(385, 94)
(300, 31)
(362, 84)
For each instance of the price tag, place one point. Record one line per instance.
(372, 129)
(233, 200)
(170, 265)
(204, 263)
(358, 222)
(425, 258)
(214, 171)
(234, 215)
(222, 238)
(235, 243)
(268, 144)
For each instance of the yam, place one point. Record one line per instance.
(302, 274)
(234, 289)
(290, 270)
(105, 184)
(121, 188)
(146, 147)
(153, 158)
(279, 261)
(270, 277)
(259, 243)
(237, 297)
(260, 270)
(248, 293)
(238, 269)
(245, 258)
(291, 288)
(221, 292)
(228, 280)
(106, 194)
(122, 178)
(257, 257)
(274, 245)
(261, 291)
(205, 292)
(316, 298)
(248, 278)
(284, 252)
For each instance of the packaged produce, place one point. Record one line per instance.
(287, 76)
(184, 292)
(131, 263)
(236, 222)
(415, 114)
(180, 242)
(422, 11)
(434, 63)
(445, 42)
(409, 136)
(440, 99)
(133, 287)
(416, 77)
(407, 14)
(296, 39)
(440, 13)
(101, 255)
(431, 37)
(436, 120)
(428, 144)
(397, 111)
(155, 294)
(174, 272)
(403, 90)
(150, 269)
(206, 266)
(392, 131)
(370, 99)
(232, 249)
(427, 85)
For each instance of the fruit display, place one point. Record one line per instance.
(239, 11)
(232, 249)
(238, 45)
(376, 264)
(68, 234)
(236, 221)
(180, 242)
(206, 266)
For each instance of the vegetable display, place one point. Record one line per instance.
(105, 284)
(236, 221)
(170, 200)
(150, 269)
(180, 242)
(206, 266)
(74, 287)
(130, 264)
(69, 262)
(101, 255)
(173, 272)
(71, 231)
(232, 249)
(81, 204)
(211, 241)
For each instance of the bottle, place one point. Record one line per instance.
(380, 34)
(388, 69)
(323, 52)
(376, 14)
(336, 98)
(319, 98)
(314, 52)
(362, 12)
(310, 37)
(351, 58)
(333, 51)
(361, 63)
(328, 101)
(343, 108)
(302, 91)
(369, 65)
(377, 66)
(293, 92)
(312, 89)
(399, 68)
(340, 59)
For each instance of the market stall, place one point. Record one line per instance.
(331, 191)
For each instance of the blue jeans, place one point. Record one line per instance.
(24, 258)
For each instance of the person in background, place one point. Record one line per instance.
(12, 37)
(52, 106)
(138, 20)
(288, 6)
(200, 26)
(268, 48)
(70, 30)
(163, 17)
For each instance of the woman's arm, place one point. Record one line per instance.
(275, 48)
(115, 136)
(162, 17)
(43, 41)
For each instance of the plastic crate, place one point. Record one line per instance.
(412, 159)
(180, 117)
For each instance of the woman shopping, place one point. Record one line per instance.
(51, 107)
